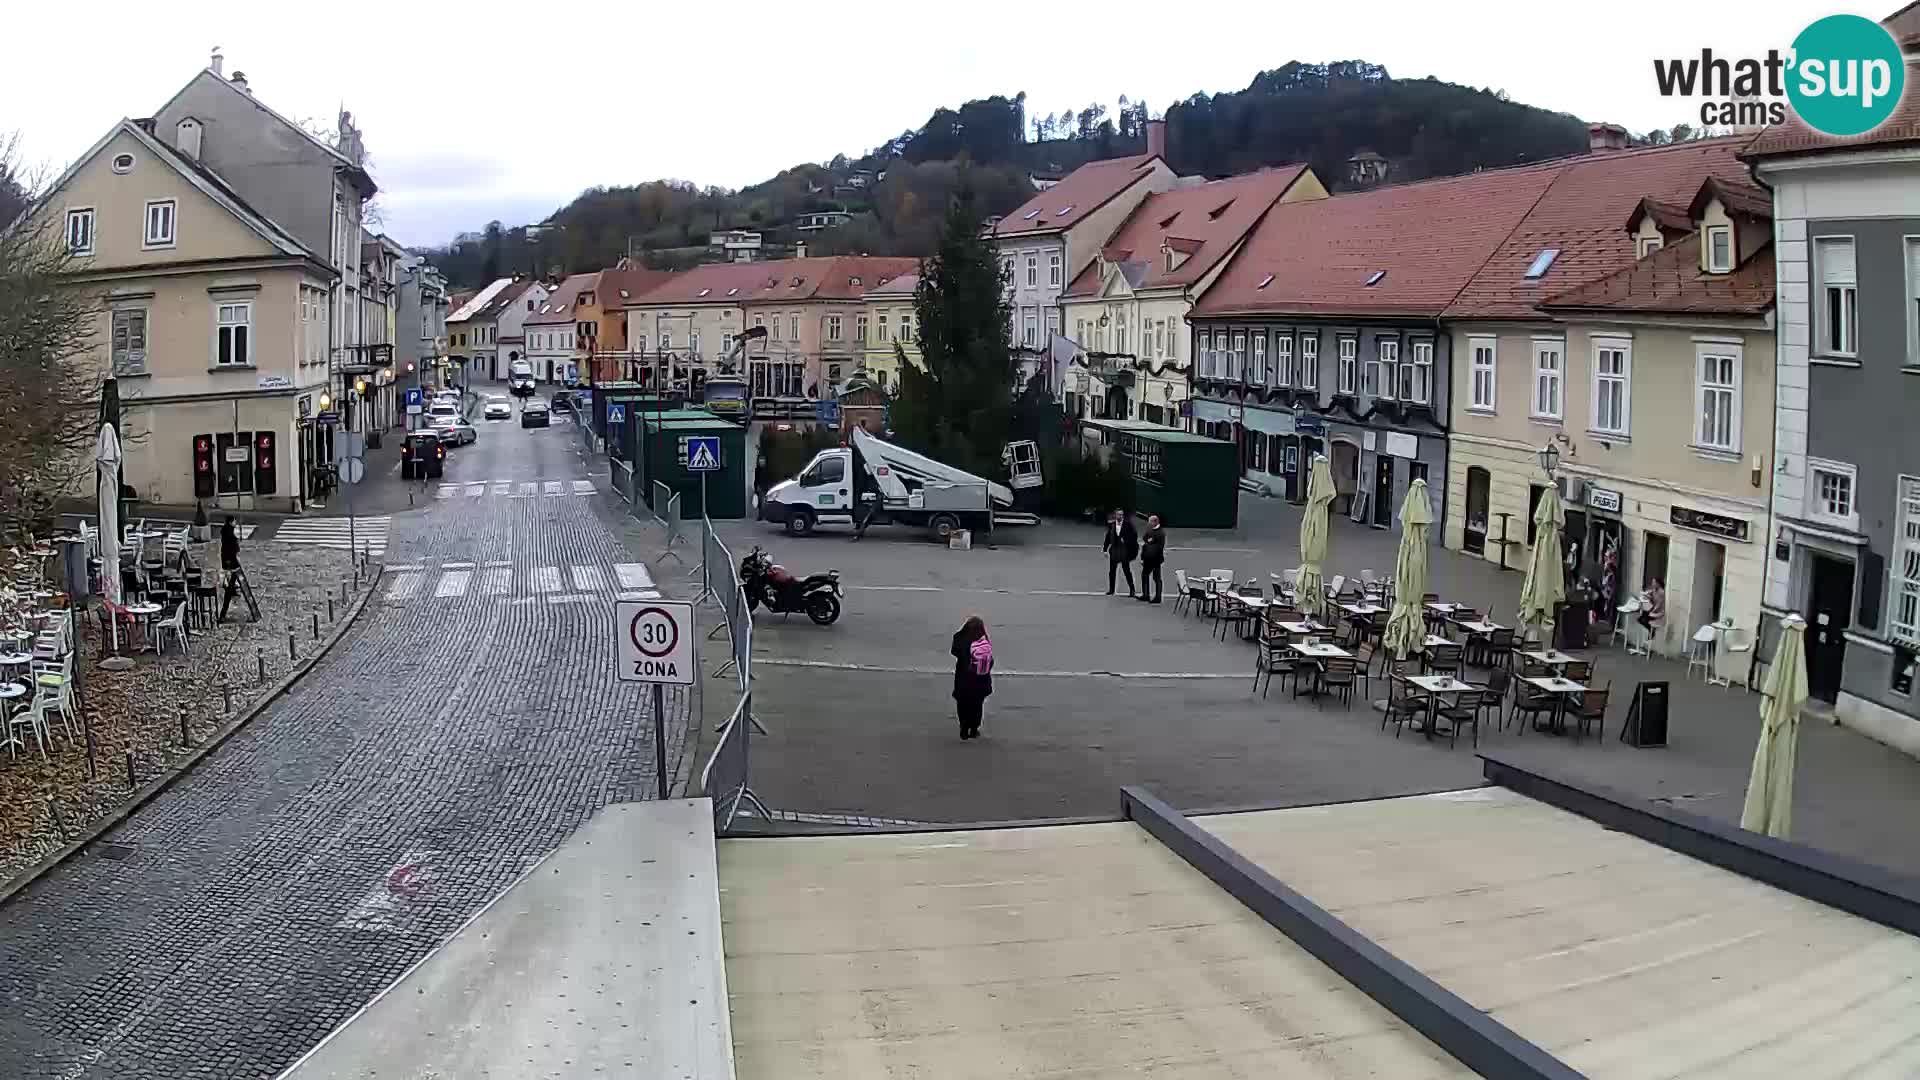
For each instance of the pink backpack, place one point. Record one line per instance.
(982, 653)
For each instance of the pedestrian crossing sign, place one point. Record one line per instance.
(702, 452)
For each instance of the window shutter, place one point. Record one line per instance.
(1836, 262)
(1873, 585)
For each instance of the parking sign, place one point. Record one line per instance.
(656, 641)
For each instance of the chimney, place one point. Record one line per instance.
(239, 82)
(1157, 138)
(1602, 137)
(800, 249)
(186, 137)
(218, 65)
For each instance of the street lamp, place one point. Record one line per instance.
(326, 402)
(1549, 456)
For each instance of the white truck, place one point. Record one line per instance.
(899, 487)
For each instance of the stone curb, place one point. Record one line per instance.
(19, 883)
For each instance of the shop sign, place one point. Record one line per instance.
(275, 382)
(1304, 424)
(1731, 528)
(1401, 445)
(1603, 499)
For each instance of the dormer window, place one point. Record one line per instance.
(853, 281)
(1719, 249)
(1648, 245)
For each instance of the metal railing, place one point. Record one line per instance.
(726, 777)
(622, 480)
(666, 509)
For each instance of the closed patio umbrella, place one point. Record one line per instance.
(106, 464)
(1769, 807)
(1406, 626)
(1309, 590)
(1546, 584)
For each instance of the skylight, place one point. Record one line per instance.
(1374, 278)
(1029, 215)
(704, 292)
(623, 294)
(1542, 262)
(1264, 282)
(1065, 210)
(733, 290)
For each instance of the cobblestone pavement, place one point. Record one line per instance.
(438, 752)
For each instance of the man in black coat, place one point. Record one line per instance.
(1122, 545)
(1153, 552)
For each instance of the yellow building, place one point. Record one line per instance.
(213, 319)
(885, 323)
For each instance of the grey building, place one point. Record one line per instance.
(420, 321)
(1846, 470)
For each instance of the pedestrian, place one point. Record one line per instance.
(972, 673)
(1153, 552)
(1655, 609)
(229, 563)
(1121, 544)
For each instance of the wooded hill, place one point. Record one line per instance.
(1323, 114)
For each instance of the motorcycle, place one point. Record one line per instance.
(768, 583)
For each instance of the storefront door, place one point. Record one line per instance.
(1829, 599)
(1382, 491)
(1290, 446)
(1479, 491)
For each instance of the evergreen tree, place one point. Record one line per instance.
(958, 406)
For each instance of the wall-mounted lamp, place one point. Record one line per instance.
(326, 402)
(1754, 473)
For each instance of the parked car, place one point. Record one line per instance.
(562, 401)
(498, 408)
(454, 431)
(422, 456)
(533, 413)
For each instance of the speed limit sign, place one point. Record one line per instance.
(656, 641)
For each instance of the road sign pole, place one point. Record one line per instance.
(659, 740)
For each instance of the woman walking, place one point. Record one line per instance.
(972, 673)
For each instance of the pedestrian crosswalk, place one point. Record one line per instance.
(553, 584)
(366, 534)
(515, 489)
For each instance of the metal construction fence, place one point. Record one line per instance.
(622, 475)
(666, 509)
(726, 777)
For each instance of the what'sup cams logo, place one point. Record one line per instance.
(1843, 76)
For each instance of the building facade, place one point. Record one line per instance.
(212, 319)
(1126, 311)
(560, 334)
(1845, 542)
(884, 330)
(421, 309)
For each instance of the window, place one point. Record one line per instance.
(1913, 301)
(80, 231)
(883, 329)
(1549, 361)
(1310, 362)
(1006, 270)
(793, 327)
(833, 328)
(1209, 359)
(666, 341)
(693, 342)
(640, 343)
(1053, 325)
(1719, 249)
(1612, 385)
(1904, 581)
(1830, 493)
(1033, 269)
(1160, 329)
(1349, 365)
(1542, 263)
(1053, 268)
(1120, 336)
(234, 327)
(123, 163)
(159, 224)
(1380, 369)
(1647, 245)
(1719, 397)
(1030, 327)
(1258, 372)
(773, 331)
(1283, 360)
(1838, 295)
(1237, 357)
(130, 341)
(860, 328)
(1416, 379)
(1480, 367)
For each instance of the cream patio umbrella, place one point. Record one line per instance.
(106, 459)
(1309, 591)
(1406, 626)
(1546, 584)
(1769, 807)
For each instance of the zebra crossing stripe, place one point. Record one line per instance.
(546, 579)
(553, 488)
(474, 491)
(404, 586)
(453, 583)
(632, 575)
(447, 491)
(641, 594)
(583, 487)
(368, 534)
(526, 491)
(502, 488)
(587, 578)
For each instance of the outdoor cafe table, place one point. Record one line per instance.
(1255, 604)
(1431, 640)
(1303, 629)
(1433, 686)
(1552, 658)
(1561, 689)
(1443, 607)
(1363, 609)
(1320, 650)
(1483, 627)
(9, 660)
(145, 613)
(10, 693)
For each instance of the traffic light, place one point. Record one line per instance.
(263, 463)
(203, 478)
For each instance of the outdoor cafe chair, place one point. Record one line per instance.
(1592, 708)
(53, 689)
(1444, 660)
(174, 626)
(1337, 676)
(1403, 707)
(1229, 611)
(1274, 658)
(1464, 711)
(1529, 703)
(1184, 595)
(1336, 586)
(27, 718)
(1578, 670)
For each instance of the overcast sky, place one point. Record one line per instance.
(474, 112)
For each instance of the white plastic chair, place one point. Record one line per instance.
(53, 689)
(175, 625)
(1700, 654)
(1738, 644)
(1335, 586)
(29, 719)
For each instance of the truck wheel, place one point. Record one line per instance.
(800, 522)
(944, 525)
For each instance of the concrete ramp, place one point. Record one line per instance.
(605, 960)
(1620, 957)
(1072, 951)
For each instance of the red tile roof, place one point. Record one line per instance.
(1738, 197)
(1901, 128)
(1580, 215)
(1315, 257)
(621, 285)
(558, 308)
(1666, 216)
(828, 277)
(1204, 222)
(1670, 282)
(1080, 193)
(504, 298)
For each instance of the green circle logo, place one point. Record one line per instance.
(1847, 75)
